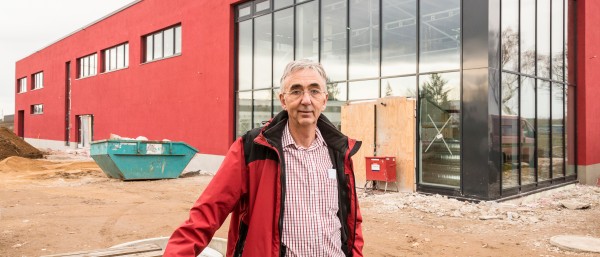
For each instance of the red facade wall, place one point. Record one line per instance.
(187, 98)
(588, 82)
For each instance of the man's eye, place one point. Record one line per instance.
(315, 92)
(295, 92)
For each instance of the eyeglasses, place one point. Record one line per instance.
(313, 93)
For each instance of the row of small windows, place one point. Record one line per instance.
(37, 80)
(158, 45)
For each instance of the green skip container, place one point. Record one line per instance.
(136, 160)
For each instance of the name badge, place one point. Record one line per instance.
(331, 173)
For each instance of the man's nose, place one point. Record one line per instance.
(306, 98)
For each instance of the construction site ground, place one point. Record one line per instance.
(66, 203)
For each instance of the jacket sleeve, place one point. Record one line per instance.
(212, 207)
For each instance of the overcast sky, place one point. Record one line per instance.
(29, 25)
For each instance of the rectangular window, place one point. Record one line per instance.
(116, 57)
(38, 80)
(37, 109)
(163, 44)
(22, 85)
(87, 66)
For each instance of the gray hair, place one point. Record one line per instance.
(300, 65)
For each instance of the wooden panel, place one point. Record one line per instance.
(358, 123)
(396, 137)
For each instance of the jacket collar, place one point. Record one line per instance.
(273, 131)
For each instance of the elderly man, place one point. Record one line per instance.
(288, 185)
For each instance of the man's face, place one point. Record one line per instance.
(304, 97)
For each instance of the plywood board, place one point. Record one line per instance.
(396, 137)
(395, 134)
(358, 123)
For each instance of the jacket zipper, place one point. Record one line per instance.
(283, 189)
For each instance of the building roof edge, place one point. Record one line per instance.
(84, 27)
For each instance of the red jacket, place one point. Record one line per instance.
(248, 185)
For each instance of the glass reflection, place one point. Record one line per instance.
(399, 37)
(336, 98)
(439, 35)
(337, 91)
(262, 52)
(543, 38)
(439, 112)
(362, 90)
(510, 130)
(333, 42)
(245, 55)
(276, 103)
(527, 120)
(570, 129)
(283, 42)
(307, 31)
(528, 37)
(244, 113)
(364, 39)
(510, 35)
(282, 3)
(402, 86)
(543, 130)
(557, 40)
(557, 129)
(262, 107)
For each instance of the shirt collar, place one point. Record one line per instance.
(287, 139)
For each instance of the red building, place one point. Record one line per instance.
(204, 71)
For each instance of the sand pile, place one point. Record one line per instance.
(43, 169)
(12, 145)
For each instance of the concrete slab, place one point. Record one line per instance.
(577, 243)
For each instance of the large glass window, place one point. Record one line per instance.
(528, 130)
(333, 41)
(534, 36)
(87, 66)
(527, 39)
(262, 107)
(543, 130)
(262, 52)
(557, 129)
(510, 130)
(245, 55)
(364, 39)
(283, 42)
(510, 35)
(439, 35)
(362, 90)
(244, 112)
(116, 57)
(543, 38)
(162, 44)
(401, 86)
(399, 42)
(557, 40)
(307, 31)
(440, 131)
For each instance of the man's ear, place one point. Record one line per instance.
(282, 101)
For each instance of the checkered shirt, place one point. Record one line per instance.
(311, 227)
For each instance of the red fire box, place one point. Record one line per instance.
(381, 168)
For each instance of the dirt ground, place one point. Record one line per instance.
(12, 145)
(65, 205)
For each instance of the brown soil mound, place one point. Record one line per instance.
(41, 169)
(12, 145)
